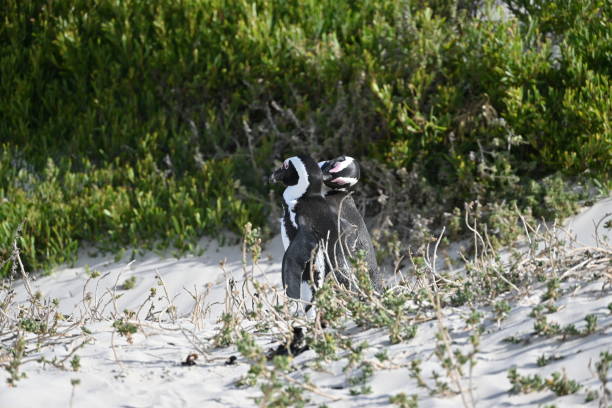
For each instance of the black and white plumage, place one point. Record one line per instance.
(340, 175)
(314, 227)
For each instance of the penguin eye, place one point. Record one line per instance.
(286, 164)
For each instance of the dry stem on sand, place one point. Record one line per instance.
(357, 334)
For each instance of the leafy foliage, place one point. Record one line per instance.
(114, 206)
(128, 122)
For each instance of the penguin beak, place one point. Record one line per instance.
(273, 177)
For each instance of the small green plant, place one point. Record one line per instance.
(552, 290)
(557, 383)
(463, 295)
(416, 373)
(525, 384)
(277, 394)
(359, 380)
(543, 327)
(591, 324)
(75, 363)
(119, 254)
(382, 356)
(513, 340)
(543, 360)
(591, 395)
(603, 366)
(570, 330)
(17, 352)
(275, 391)
(402, 400)
(501, 310)
(561, 385)
(541, 309)
(474, 318)
(252, 241)
(33, 326)
(125, 329)
(73, 382)
(129, 283)
(325, 346)
(92, 273)
(225, 336)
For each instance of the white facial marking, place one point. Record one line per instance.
(345, 180)
(293, 193)
(339, 166)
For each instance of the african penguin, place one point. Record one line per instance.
(347, 175)
(314, 229)
(339, 176)
(346, 171)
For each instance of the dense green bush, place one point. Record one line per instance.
(115, 206)
(127, 107)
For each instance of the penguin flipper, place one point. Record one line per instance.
(296, 260)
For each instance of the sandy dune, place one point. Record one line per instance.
(148, 373)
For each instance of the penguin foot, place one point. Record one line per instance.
(298, 345)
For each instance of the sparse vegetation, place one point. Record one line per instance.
(125, 328)
(557, 383)
(402, 400)
(455, 364)
(544, 359)
(257, 314)
(603, 367)
(129, 283)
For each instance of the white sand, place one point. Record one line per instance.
(148, 373)
(588, 227)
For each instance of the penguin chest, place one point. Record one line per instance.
(284, 236)
(288, 225)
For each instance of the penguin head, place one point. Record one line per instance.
(286, 174)
(301, 175)
(341, 173)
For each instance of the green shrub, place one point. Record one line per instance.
(133, 122)
(115, 206)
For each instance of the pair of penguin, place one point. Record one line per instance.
(321, 224)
